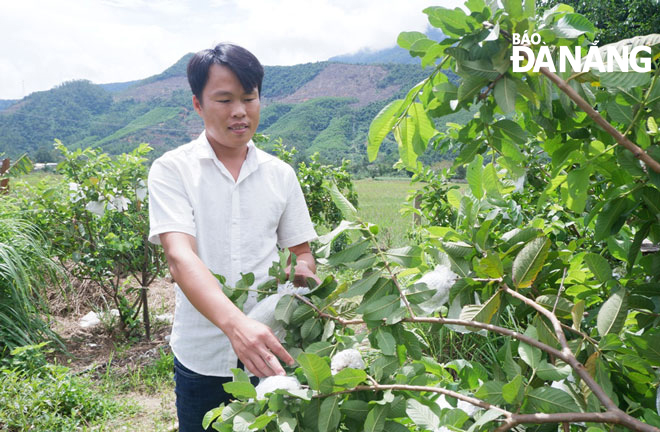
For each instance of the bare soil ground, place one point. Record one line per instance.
(104, 353)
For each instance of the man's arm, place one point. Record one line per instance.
(305, 264)
(253, 342)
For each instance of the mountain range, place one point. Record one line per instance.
(323, 107)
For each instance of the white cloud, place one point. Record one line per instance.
(44, 43)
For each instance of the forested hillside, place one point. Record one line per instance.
(323, 107)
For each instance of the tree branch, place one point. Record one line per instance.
(613, 414)
(600, 121)
(591, 112)
(567, 354)
(403, 387)
(572, 417)
(447, 321)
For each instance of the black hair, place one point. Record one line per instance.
(242, 62)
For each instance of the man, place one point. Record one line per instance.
(218, 204)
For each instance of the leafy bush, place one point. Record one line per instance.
(97, 217)
(36, 395)
(314, 178)
(544, 249)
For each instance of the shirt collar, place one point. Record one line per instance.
(203, 150)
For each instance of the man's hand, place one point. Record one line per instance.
(302, 272)
(257, 347)
(305, 265)
(254, 343)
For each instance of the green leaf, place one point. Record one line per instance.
(505, 94)
(599, 267)
(301, 314)
(529, 262)
(648, 346)
(624, 80)
(620, 113)
(422, 415)
(512, 392)
(362, 286)
(457, 249)
(381, 126)
(578, 188)
(511, 368)
(329, 414)
(482, 68)
(386, 342)
(231, 410)
(212, 415)
(611, 218)
(561, 306)
(572, 25)
(240, 390)
(550, 372)
(349, 378)
(347, 209)
(491, 265)
(514, 8)
(355, 409)
(530, 354)
(475, 176)
(425, 125)
(551, 400)
(262, 421)
(475, 5)
(349, 254)
(408, 256)
(242, 421)
(375, 421)
(470, 86)
(452, 22)
(491, 181)
(486, 417)
(240, 375)
(321, 348)
(285, 308)
(512, 130)
(491, 392)
(317, 372)
(407, 39)
(407, 138)
(577, 314)
(613, 313)
(482, 313)
(343, 226)
(379, 308)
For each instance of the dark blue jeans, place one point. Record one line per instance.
(196, 394)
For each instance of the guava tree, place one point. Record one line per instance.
(97, 218)
(548, 254)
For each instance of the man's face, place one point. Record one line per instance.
(230, 115)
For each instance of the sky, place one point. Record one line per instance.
(44, 43)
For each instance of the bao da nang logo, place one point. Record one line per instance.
(605, 59)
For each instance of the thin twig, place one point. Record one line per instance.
(402, 387)
(566, 353)
(561, 289)
(613, 415)
(447, 321)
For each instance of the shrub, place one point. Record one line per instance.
(36, 395)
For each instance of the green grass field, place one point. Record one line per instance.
(380, 202)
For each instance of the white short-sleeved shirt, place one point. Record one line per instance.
(237, 226)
